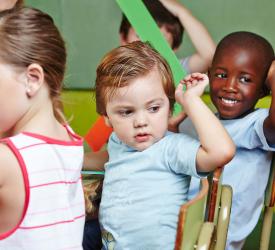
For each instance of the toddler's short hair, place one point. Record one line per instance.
(122, 65)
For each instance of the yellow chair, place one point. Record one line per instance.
(269, 205)
(218, 209)
(192, 231)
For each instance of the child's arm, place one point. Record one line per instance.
(8, 165)
(217, 148)
(201, 39)
(269, 123)
(95, 160)
(12, 191)
(174, 122)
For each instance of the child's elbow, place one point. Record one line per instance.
(218, 157)
(226, 154)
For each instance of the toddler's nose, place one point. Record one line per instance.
(140, 120)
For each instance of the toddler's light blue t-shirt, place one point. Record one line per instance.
(143, 192)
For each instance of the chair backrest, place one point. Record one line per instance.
(191, 219)
(269, 205)
(270, 189)
(214, 195)
(218, 209)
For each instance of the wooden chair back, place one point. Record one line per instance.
(269, 205)
(218, 209)
(192, 232)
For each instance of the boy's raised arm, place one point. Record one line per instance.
(217, 148)
(269, 123)
(198, 34)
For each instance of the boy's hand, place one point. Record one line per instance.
(195, 85)
(270, 82)
(174, 121)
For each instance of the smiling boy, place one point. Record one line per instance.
(241, 73)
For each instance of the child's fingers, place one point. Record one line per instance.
(204, 77)
(186, 82)
(187, 78)
(182, 81)
(195, 82)
(200, 78)
(196, 75)
(195, 79)
(192, 77)
(179, 92)
(179, 87)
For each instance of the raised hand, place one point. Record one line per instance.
(195, 85)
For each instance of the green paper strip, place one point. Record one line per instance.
(147, 29)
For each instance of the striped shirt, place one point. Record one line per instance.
(54, 214)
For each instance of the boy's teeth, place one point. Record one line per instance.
(228, 101)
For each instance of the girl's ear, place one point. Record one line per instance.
(107, 121)
(35, 79)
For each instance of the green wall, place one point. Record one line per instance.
(90, 28)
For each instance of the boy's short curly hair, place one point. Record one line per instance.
(122, 65)
(162, 17)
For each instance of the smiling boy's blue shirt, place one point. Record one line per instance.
(247, 173)
(143, 191)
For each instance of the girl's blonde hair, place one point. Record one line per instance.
(29, 36)
(122, 65)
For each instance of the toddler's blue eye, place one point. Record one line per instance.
(154, 109)
(125, 113)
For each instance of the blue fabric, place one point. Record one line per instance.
(143, 191)
(247, 173)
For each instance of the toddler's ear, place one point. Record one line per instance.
(107, 121)
(35, 79)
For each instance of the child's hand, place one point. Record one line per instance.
(174, 121)
(195, 85)
(270, 82)
(173, 6)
